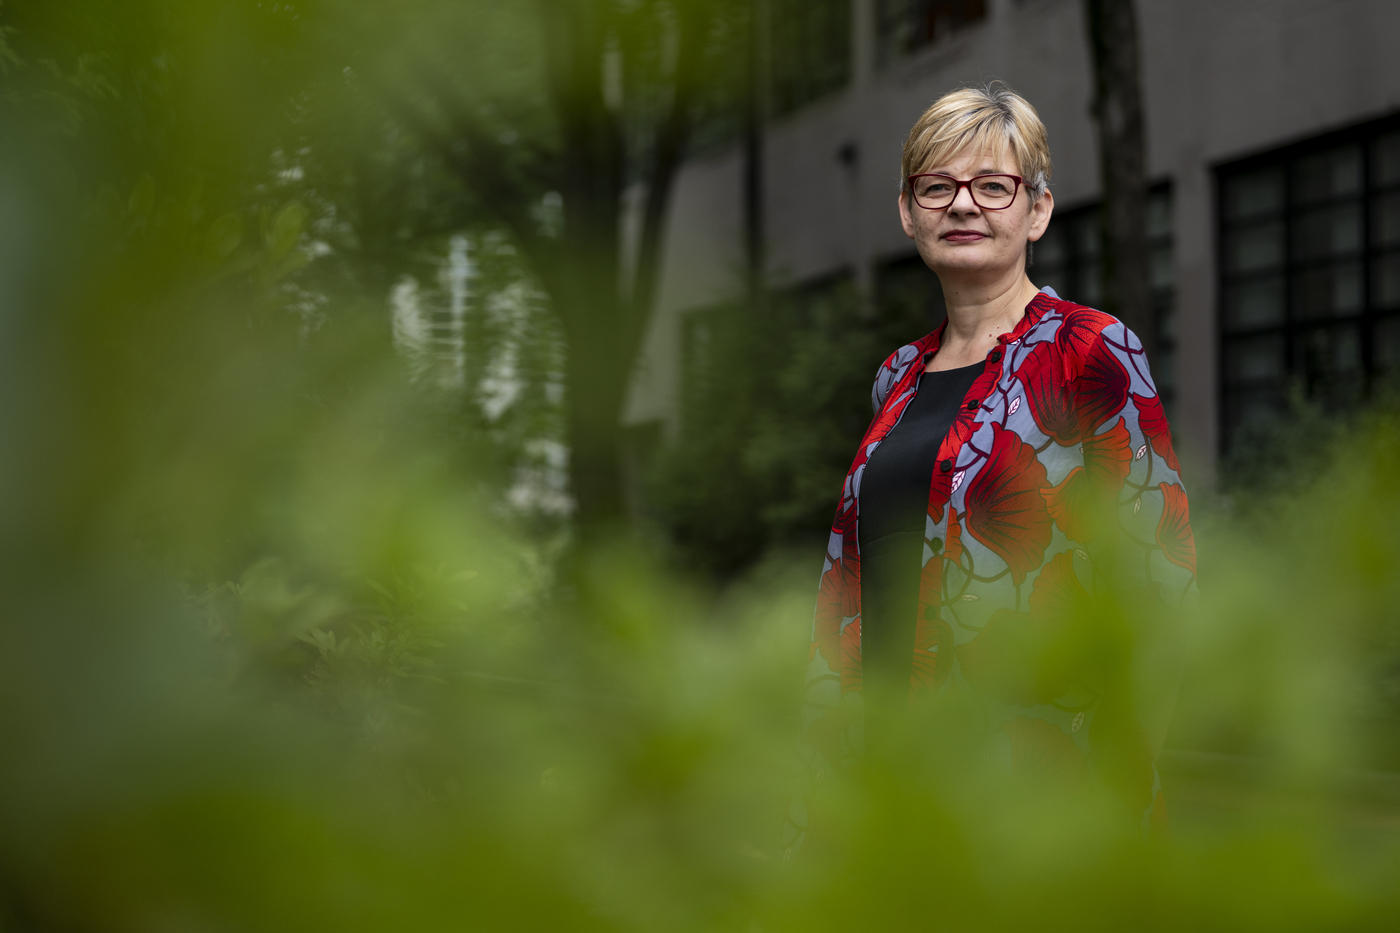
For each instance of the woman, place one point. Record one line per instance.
(1016, 485)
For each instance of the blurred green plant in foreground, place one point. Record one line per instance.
(275, 656)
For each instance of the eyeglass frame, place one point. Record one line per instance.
(959, 185)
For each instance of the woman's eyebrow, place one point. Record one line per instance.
(984, 170)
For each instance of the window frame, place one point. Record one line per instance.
(1293, 327)
(1078, 264)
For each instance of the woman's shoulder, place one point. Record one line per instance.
(900, 359)
(1077, 326)
(896, 365)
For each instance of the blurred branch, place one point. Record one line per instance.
(1118, 112)
(482, 162)
(671, 139)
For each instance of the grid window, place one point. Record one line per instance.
(1310, 273)
(904, 26)
(810, 43)
(1069, 258)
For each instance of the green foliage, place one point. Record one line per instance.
(773, 408)
(274, 656)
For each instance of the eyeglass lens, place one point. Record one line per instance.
(989, 191)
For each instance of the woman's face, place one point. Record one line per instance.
(964, 239)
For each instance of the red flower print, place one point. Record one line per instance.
(952, 547)
(1070, 396)
(1153, 422)
(935, 509)
(1101, 390)
(1108, 457)
(1084, 502)
(1058, 594)
(1174, 527)
(837, 600)
(941, 488)
(1043, 754)
(1004, 508)
(1049, 395)
(931, 583)
(1080, 330)
(850, 657)
(933, 655)
(1026, 658)
(999, 661)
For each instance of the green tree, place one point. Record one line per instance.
(548, 114)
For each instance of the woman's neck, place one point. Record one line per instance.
(977, 315)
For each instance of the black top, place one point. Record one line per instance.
(893, 504)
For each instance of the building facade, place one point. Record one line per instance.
(1273, 150)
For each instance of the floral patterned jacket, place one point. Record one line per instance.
(1056, 483)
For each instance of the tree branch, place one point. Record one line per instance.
(482, 163)
(671, 138)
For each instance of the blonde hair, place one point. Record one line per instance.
(990, 116)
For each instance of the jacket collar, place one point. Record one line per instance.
(1042, 304)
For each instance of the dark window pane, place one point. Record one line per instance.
(1385, 165)
(1159, 214)
(1332, 231)
(1255, 247)
(1328, 351)
(1086, 235)
(1254, 405)
(1325, 175)
(1254, 194)
(1329, 291)
(1385, 220)
(1050, 249)
(1258, 303)
(1090, 285)
(1159, 266)
(1254, 359)
(1385, 281)
(1385, 346)
(1163, 368)
(1166, 318)
(810, 42)
(1329, 361)
(1056, 280)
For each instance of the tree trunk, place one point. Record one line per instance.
(1118, 114)
(754, 117)
(580, 266)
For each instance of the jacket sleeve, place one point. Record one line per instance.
(889, 373)
(1150, 556)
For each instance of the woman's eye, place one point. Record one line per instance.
(993, 187)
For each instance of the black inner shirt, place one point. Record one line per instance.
(892, 508)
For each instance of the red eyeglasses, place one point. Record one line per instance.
(935, 192)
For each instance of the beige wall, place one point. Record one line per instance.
(1223, 79)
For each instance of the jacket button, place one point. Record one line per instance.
(972, 404)
(996, 356)
(946, 466)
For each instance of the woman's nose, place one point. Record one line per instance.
(962, 201)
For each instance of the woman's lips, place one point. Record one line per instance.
(964, 236)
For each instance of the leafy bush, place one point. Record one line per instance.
(774, 404)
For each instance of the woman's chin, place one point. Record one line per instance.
(965, 261)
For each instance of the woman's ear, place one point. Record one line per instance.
(1041, 209)
(906, 220)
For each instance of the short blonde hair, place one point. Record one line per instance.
(990, 116)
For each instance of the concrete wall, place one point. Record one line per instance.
(1223, 79)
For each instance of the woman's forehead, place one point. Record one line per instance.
(976, 160)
